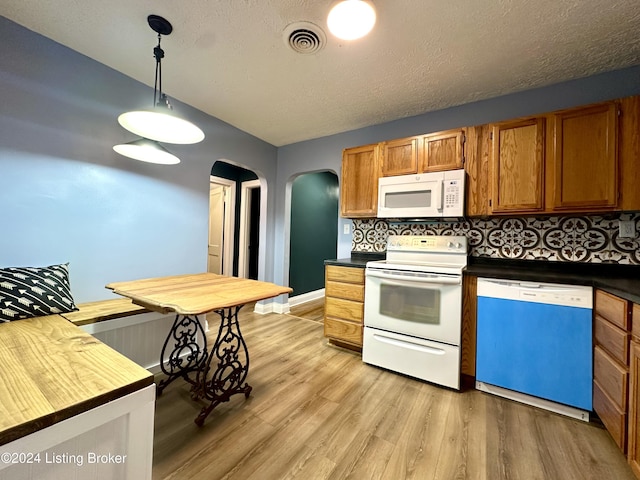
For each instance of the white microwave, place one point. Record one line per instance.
(422, 196)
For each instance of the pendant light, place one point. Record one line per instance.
(160, 123)
(148, 151)
(351, 19)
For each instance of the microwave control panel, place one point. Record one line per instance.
(452, 194)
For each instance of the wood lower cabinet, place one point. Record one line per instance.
(469, 325)
(344, 305)
(633, 446)
(616, 372)
(359, 188)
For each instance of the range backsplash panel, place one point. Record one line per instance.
(593, 239)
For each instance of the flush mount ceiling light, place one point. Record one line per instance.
(351, 19)
(148, 151)
(160, 123)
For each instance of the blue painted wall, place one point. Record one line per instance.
(66, 196)
(326, 153)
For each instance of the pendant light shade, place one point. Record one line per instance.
(148, 151)
(351, 19)
(163, 127)
(160, 123)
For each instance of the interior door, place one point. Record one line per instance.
(216, 228)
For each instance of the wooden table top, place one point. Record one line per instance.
(53, 370)
(195, 294)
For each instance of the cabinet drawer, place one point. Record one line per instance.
(613, 419)
(343, 331)
(611, 376)
(635, 321)
(612, 339)
(345, 274)
(612, 308)
(345, 309)
(349, 291)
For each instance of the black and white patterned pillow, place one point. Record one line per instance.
(33, 291)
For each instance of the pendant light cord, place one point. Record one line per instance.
(159, 54)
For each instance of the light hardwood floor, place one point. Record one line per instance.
(318, 412)
(313, 310)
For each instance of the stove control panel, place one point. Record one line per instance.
(428, 243)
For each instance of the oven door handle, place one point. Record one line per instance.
(404, 279)
(408, 344)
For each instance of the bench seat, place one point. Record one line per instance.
(102, 310)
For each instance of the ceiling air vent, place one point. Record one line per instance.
(304, 37)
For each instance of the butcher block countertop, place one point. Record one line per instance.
(53, 370)
(195, 294)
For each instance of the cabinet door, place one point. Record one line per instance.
(400, 157)
(585, 158)
(442, 151)
(477, 150)
(629, 152)
(517, 166)
(360, 173)
(633, 447)
(469, 320)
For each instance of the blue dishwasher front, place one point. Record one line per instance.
(536, 339)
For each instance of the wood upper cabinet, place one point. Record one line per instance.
(561, 162)
(442, 150)
(359, 189)
(400, 157)
(517, 166)
(584, 158)
(629, 153)
(425, 153)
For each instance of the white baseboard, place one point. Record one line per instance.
(306, 297)
(270, 306)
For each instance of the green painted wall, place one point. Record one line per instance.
(314, 229)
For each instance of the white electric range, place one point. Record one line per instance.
(413, 308)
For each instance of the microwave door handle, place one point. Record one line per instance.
(438, 193)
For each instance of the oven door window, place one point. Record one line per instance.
(411, 304)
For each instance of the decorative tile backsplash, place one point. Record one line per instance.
(592, 239)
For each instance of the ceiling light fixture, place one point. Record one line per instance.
(160, 123)
(148, 151)
(351, 19)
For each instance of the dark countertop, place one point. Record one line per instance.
(620, 280)
(357, 259)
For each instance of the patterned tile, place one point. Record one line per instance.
(593, 239)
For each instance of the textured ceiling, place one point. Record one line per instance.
(228, 57)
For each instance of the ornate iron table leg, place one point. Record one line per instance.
(232, 359)
(188, 344)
